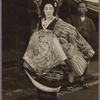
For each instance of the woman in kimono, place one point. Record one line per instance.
(53, 45)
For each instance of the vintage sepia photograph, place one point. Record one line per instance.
(50, 50)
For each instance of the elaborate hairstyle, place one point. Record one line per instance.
(44, 2)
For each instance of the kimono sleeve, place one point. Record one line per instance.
(70, 33)
(94, 38)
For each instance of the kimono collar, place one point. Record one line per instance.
(82, 18)
(45, 23)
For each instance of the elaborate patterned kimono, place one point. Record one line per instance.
(42, 57)
(86, 28)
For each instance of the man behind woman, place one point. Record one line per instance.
(87, 29)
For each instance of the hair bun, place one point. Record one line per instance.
(44, 2)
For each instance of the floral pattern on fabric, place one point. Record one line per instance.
(70, 33)
(41, 53)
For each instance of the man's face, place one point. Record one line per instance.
(48, 10)
(82, 9)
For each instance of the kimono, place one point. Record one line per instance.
(73, 46)
(86, 28)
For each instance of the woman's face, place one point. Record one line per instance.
(82, 9)
(48, 10)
